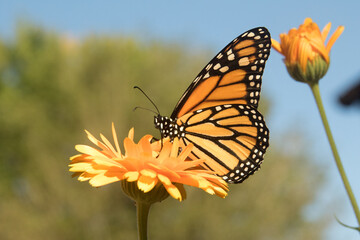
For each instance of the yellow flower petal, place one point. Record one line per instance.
(186, 152)
(173, 191)
(88, 150)
(131, 176)
(334, 37)
(148, 173)
(110, 147)
(325, 31)
(164, 170)
(165, 180)
(220, 192)
(171, 188)
(116, 142)
(94, 140)
(276, 45)
(84, 177)
(307, 21)
(175, 148)
(77, 158)
(144, 143)
(79, 167)
(101, 180)
(165, 152)
(146, 183)
(130, 135)
(130, 148)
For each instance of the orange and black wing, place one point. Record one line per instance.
(233, 76)
(231, 138)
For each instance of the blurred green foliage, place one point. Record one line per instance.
(52, 87)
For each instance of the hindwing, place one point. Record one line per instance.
(232, 138)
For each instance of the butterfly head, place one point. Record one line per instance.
(168, 127)
(157, 121)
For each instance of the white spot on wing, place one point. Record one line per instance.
(224, 69)
(231, 57)
(244, 61)
(251, 34)
(217, 66)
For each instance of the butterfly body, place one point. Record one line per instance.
(168, 127)
(218, 112)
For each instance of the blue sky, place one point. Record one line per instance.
(211, 25)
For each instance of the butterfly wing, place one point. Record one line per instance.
(232, 139)
(233, 76)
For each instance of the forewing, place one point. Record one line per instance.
(233, 76)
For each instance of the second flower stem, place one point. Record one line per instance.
(316, 92)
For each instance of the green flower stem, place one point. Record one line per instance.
(142, 209)
(316, 92)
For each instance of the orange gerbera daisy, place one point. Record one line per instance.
(307, 57)
(146, 164)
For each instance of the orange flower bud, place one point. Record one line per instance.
(306, 54)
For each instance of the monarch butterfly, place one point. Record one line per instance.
(218, 112)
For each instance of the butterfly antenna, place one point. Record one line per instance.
(147, 109)
(158, 112)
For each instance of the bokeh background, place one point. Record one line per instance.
(67, 66)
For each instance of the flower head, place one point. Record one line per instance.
(306, 54)
(145, 167)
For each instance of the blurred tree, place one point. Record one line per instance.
(52, 87)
